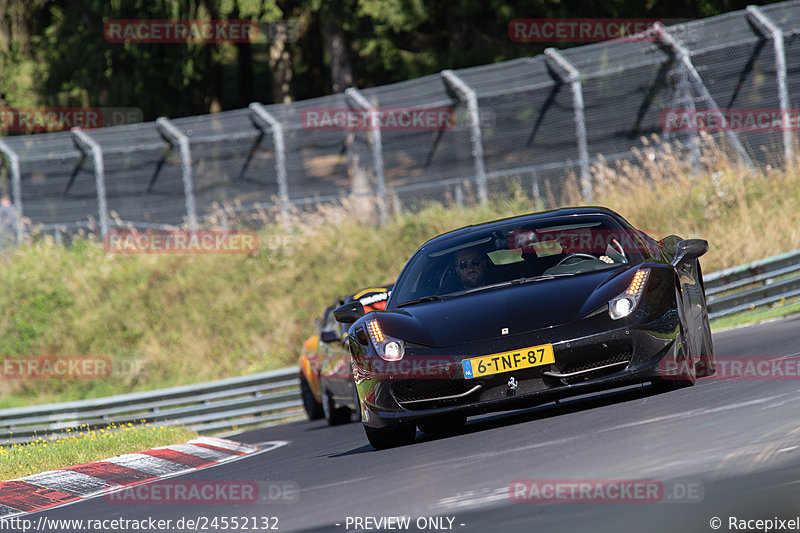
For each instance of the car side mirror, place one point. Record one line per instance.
(329, 336)
(689, 250)
(349, 312)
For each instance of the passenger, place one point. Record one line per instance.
(578, 243)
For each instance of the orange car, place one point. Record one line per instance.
(326, 382)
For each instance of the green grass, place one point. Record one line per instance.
(83, 446)
(778, 310)
(167, 320)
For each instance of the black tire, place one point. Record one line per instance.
(707, 365)
(335, 415)
(687, 364)
(399, 434)
(442, 424)
(312, 407)
(687, 367)
(685, 378)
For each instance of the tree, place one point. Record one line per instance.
(54, 52)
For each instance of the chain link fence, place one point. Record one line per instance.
(539, 122)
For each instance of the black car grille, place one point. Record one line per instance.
(434, 393)
(620, 356)
(591, 362)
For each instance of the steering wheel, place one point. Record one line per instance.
(576, 255)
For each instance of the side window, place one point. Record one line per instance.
(330, 323)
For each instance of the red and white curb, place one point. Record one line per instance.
(89, 480)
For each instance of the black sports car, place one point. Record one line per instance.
(523, 311)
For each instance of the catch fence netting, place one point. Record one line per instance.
(541, 124)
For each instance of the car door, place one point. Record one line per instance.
(336, 371)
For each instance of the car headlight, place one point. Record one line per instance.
(625, 303)
(387, 347)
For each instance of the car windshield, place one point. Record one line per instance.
(518, 252)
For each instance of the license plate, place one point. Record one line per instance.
(497, 363)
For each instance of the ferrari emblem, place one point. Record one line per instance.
(504, 331)
(512, 386)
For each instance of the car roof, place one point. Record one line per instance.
(532, 217)
(365, 293)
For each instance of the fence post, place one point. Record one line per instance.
(573, 78)
(377, 149)
(176, 138)
(683, 55)
(89, 146)
(263, 119)
(537, 194)
(467, 94)
(684, 100)
(768, 28)
(16, 185)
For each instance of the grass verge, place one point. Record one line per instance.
(780, 309)
(84, 445)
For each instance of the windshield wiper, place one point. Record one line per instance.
(518, 281)
(419, 300)
(541, 278)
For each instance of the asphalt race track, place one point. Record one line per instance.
(721, 448)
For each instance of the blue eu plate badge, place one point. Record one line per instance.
(467, 366)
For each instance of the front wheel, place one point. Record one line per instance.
(707, 365)
(399, 434)
(312, 407)
(333, 414)
(685, 374)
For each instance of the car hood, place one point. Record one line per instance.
(483, 315)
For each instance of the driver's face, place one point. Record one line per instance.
(471, 267)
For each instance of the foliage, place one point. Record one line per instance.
(54, 53)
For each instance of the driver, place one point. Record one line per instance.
(471, 268)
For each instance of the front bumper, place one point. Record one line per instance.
(588, 362)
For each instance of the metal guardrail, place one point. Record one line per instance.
(274, 396)
(204, 407)
(752, 285)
